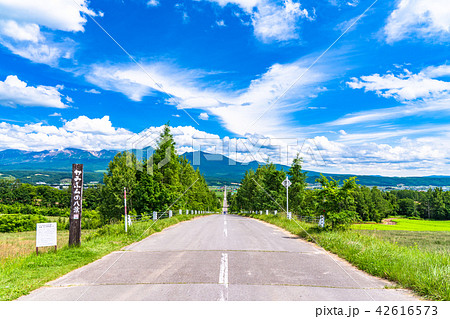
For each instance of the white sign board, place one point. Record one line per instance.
(46, 234)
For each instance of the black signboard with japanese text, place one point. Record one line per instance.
(76, 204)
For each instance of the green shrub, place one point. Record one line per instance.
(34, 210)
(13, 223)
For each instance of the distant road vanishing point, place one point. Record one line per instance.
(219, 257)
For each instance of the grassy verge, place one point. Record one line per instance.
(425, 240)
(425, 272)
(19, 276)
(14, 245)
(409, 224)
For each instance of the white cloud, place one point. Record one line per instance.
(271, 20)
(275, 23)
(402, 157)
(62, 15)
(406, 86)
(21, 21)
(87, 125)
(15, 92)
(221, 23)
(21, 32)
(236, 109)
(203, 116)
(441, 106)
(78, 133)
(92, 91)
(421, 18)
(55, 114)
(152, 3)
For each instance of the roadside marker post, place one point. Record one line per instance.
(180, 212)
(125, 203)
(155, 216)
(322, 221)
(286, 183)
(275, 213)
(187, 211)
(170, 213)
(267, 212)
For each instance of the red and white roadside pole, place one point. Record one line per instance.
(125, 201)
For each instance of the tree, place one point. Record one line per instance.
(337, 203)
(121, 173)
(165, 167)
(406, 207)
(298, 186)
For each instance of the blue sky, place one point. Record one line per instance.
(251, 79)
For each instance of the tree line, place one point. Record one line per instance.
(340, 203)
(163, 181)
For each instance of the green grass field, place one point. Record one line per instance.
(425, 240)
(26, 272)
(409, 225)
(426, 271)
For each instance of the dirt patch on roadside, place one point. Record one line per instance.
(389, 221)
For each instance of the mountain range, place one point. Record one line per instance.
(53, 166)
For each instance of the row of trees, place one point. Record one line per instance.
(17, 193)
(164, 181)
(341, 203)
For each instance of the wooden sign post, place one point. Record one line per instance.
(76, 205)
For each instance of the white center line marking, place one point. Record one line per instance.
(223, 276)
(225, 231)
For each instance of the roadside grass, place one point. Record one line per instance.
(426, 272)
(13, 245)
(424, 240)
(408, 224)
(21, 275)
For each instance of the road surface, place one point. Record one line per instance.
(219, 257)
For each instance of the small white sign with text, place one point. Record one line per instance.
(46, 234)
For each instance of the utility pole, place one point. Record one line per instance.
(125, 202)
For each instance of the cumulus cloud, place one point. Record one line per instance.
(21, 21)
(275, 23)
(271, 20)
(203, 116)
(422, 18)
(403, 156)
(79, 133)
(15, 92)
(406, 86)
(86, 125)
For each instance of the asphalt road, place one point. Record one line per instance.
(219, 257)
